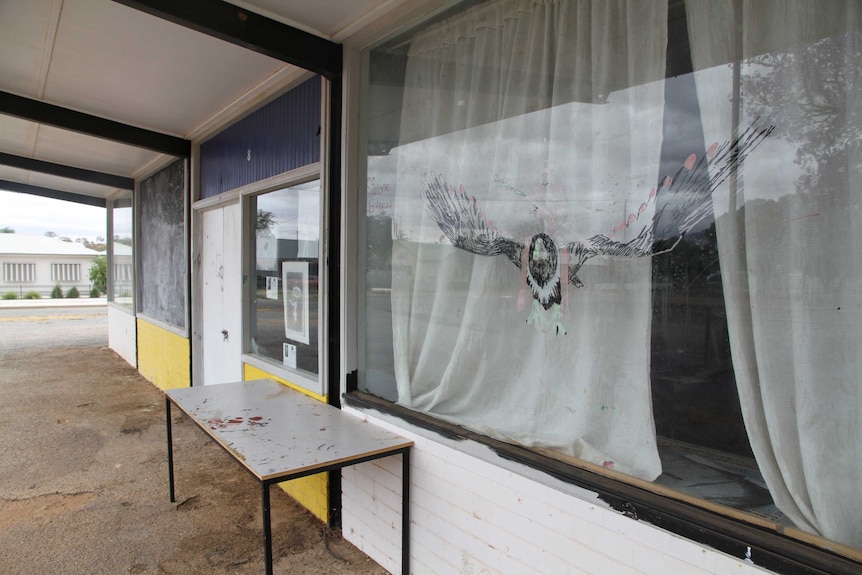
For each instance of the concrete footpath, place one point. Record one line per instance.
(51, 302)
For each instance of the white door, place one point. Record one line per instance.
(221, 318)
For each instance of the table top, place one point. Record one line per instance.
(276, 431)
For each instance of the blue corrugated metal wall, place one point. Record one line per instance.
(281, 136)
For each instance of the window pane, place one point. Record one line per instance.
(122, 252)
(19, 273)
(633, 247)
(487, 197)
(285, 306)
(65, 272)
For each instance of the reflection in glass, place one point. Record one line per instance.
(640, 255)
(285, 304)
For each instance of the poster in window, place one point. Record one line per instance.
(289, 355)
(271, 287)
(294, 279)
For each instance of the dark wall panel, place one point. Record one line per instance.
(162, 246)
(281, 136)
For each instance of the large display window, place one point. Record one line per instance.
(122, 251)
(622, 234)
(285, 307)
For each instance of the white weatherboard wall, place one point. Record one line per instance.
(122, 334)
(472, 516)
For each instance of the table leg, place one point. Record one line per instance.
(170, 448)
(267, 527)
(405, 512)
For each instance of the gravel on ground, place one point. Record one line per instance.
(84, 488)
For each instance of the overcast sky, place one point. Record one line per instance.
(29, 214)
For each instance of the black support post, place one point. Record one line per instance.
(267, 526)
(170, 448)
(405, 512)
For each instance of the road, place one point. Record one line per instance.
(52, 327)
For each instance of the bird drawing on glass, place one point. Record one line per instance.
(540, 257)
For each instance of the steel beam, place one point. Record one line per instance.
(52, 115)
(250, 30)
(70, 172)
(52, 193)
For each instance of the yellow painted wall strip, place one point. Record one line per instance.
(163, 356)
(312, 491)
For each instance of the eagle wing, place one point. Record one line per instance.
(682, 202)
(602, 245)
(464, 224)
(686, 199)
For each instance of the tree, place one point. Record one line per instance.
(51, 234)
(813, 106)
(265, 220)
(7, 230)
(99, 273)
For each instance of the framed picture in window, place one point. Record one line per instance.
(294, 279)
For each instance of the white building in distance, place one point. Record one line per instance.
(38, 264)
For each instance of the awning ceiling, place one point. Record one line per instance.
(124, 64)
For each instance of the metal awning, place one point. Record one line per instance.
(97, 93)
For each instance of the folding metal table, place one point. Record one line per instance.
(279, 434)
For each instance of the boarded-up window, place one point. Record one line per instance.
(162, 247)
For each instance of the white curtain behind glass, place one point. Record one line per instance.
(550, 115)
(789, 241)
